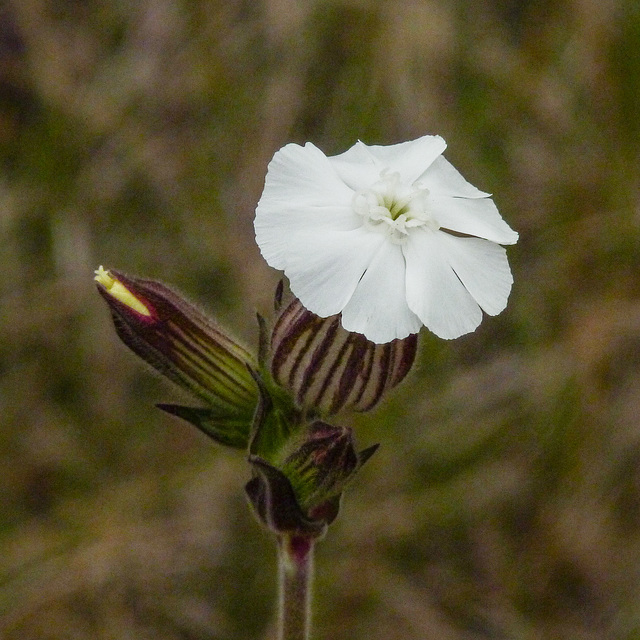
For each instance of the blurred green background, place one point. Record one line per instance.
(505, 500)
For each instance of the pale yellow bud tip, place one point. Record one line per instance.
(118, 291)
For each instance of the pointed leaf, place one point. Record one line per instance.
(365, 454)
(227, 429)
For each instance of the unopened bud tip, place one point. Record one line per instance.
(117, 290)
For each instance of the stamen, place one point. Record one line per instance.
(393, 207)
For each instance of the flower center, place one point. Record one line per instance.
(394, 208)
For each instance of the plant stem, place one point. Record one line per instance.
(295, 560)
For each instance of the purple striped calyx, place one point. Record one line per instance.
(327, 369)
(188, 348)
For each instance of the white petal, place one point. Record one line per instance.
(360, 166)
(325, 269)
(304, 173)
(443, 179)
(378, 307)
(483, 269)
(434, 292)
(473, 216)
(357, 167)
(282, 231)
(410, 159)
(302, 196)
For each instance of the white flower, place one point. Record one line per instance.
(390, 237)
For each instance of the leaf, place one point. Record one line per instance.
(231, 430)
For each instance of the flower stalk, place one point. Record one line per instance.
(295, 570)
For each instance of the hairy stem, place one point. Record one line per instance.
(295, 559)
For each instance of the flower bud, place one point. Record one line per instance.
(186, 347)
(301, 494)
(319, 468)
(328, 369)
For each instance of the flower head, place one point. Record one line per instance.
(389, 237)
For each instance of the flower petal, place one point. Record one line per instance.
(410, 159)
(357, 167)
(283, 231)
(360, 166)
(434, 292)
(378, 308)
(325, 269)
(472, 216)
(483, 269)
(305, 172)
(302, 196)
(443, 179)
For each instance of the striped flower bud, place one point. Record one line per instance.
(186, 347)
(323, 463)
(301, 494)
(328, 369)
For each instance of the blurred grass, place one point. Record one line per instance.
(505, 500)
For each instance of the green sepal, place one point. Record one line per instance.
(365, 454)
(275, 423)
(226, 429)
(275, 503)
(263, 341)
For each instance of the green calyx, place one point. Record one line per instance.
(299, 469)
